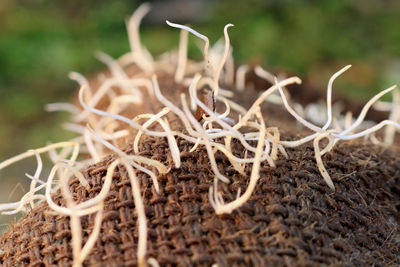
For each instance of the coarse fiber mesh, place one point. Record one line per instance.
(291, 219)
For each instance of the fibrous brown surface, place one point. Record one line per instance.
(291, 219)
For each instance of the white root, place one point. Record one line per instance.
(30, 153)
(215, 133)
(199, 35)
(241, 77)
(205, 139)
(229, 75)
(390, 131)
(329, 96)
(112, 64)
(139, 55)
(216, 199)
(182, 56)
(142, 229)
(221, 64)
(318, 158)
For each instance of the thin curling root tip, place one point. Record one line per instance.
(171, 24)
(347, 67)
(341, 71)
(297, 80)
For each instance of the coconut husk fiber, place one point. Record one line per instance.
(291, 219)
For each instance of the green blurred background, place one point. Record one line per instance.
(42, 41)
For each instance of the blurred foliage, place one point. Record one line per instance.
(41, 41)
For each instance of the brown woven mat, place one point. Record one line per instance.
(292, 218)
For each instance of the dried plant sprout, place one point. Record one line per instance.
(100, 129)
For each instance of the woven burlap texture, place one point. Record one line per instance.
(292, 218)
